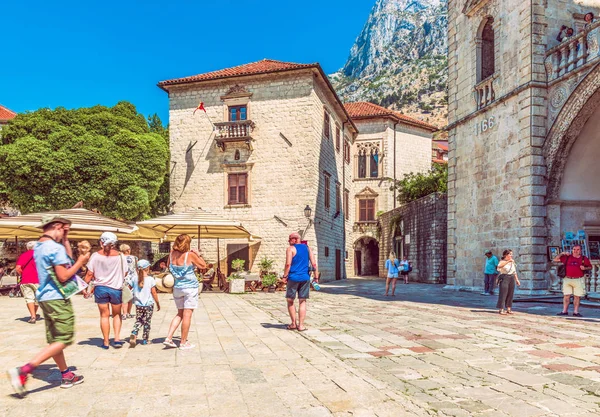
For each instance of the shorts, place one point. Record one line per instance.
(302, 288)
(60, 321)
(404, 273)
(28, 291)
(105, 295)
(185, 298)
(575, 286)
(393, 275)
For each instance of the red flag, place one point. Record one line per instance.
(200, 107)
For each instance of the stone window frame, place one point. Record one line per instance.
(338, 135)
(366, 194)
(237, 96)
(346, 204)
(237, 168)
(326, 124)
(338, 197)
(479, 48)
(368, 147)
(327, 190)
(347, 150)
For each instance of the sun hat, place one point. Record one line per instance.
(53, 218)
(143, 264)
(108, 238)
(168, 281)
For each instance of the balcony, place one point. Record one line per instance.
(484, 92)
(573, 53)
(238, 131)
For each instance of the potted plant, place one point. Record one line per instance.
(269, 280)
(265, 265)
(236, 280)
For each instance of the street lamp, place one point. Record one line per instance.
(307, 211)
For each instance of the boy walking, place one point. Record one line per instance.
(52, 260)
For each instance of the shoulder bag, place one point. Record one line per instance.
(127, 294)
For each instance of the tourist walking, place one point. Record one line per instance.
(108, 269)
(490, 271)
(54, 267)
(182, 262)
(131, 276)
(391, 265)
(297, 277)
(29, 280)
(405, 269)
(574, 282)
(506, 282)
(144, 297)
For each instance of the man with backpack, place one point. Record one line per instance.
(573, 282)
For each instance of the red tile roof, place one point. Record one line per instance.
(440, 161)
(365, 110)
(441, 146)
(6, 114)
(265, 66)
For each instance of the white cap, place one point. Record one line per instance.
(108, 238)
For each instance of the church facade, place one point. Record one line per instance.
(524, 117)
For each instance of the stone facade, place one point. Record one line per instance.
(418, 231)
(403, 149)
(509, 133)
(287, 160)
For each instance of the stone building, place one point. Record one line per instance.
(280, 144)
(388, 146)
(524, 117)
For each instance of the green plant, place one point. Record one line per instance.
(265, 265)
(269, 279)
(238, 265)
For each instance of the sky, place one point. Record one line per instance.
(82, 53)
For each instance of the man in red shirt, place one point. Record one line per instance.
(574, 281)
(29, 280)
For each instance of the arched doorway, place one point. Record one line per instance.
(366, 256)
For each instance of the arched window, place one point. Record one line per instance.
(485, 48)
(374, 164)
(362, 164)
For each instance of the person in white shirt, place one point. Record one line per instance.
(144, 298)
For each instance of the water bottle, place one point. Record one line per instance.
(315, 284)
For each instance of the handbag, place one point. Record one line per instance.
(127, 295)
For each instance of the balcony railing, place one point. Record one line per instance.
(238, 131)
(484, 92)
(573, 53)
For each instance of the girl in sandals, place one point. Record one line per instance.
(506, 282)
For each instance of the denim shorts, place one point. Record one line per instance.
(297, 287)
(105, 295)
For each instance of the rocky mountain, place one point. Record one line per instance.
(399, 60)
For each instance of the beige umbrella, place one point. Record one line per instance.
(86, 225)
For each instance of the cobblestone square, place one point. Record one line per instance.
(424, 352)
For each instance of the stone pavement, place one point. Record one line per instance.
(424, 352)
(452, 354)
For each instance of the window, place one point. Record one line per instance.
(164, 247)
(346, 203)
(347, 151)
(374, 164)
(362, 165)
(326, 251)
(366, 210)
(327, 191)
(337, 138)
(486, 50)
(238, 188)
(338, 198)
(237, 113)
(326, 125)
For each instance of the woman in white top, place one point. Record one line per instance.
(108, 268)
(506, 282)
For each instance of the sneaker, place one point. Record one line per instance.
(118, 344)
(72, 380)
(187, 345)
(577, 315)
(18, 380)
(562, 313)
(144, 342)
(169, 343)
(484, 293)
(132, 340)
(131, 316)
(123, 316)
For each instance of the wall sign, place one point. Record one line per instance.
(485, 125)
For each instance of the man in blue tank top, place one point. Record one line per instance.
(297, 276)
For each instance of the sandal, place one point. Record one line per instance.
(502, 312)
(31, 320)
(290, 327)
(303, 329)
(509, 312)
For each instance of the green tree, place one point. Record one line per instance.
(107, 157)
(162, 204)
(414, 186)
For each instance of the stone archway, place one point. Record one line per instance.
(366, 256)
(581, 104)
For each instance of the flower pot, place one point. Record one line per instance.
(272, 288)
(237, 286)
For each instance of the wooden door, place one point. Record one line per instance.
(338, 264)
(237, 251)
(357, 262)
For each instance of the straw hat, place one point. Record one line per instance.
(168, 281)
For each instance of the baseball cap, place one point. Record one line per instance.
(108, 238)
(53, 218)
(294, 235)
(487, 251)
(143, 264)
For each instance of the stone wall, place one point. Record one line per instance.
(285, 167)
(417, 230)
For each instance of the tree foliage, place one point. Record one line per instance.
(414, 186)
(108, 157)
